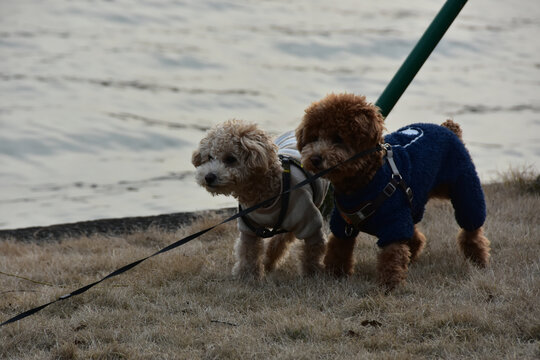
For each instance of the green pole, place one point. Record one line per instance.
(419, 55)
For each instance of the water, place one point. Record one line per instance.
(102, 102)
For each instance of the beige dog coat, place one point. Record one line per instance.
(303, 217)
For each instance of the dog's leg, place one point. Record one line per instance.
(475, 246)
(467, 198)
(249, 251)
(277, 247)
(416, 244)
(339, 259)
(313, 253)
(393, 264)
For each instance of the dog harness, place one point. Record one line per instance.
(295, 211)
(368, 208)
(264, 232)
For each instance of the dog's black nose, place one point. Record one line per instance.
(210, 178)
(316, 160)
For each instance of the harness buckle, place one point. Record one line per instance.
(408, 191)
(268, 233)
(363, 215)
(359, 216)
(264, 233)
(389, 189)
(349, 229)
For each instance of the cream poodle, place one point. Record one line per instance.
(239, 159)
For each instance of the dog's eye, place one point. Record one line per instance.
(229, 160)
(337, 139)
(210, 158)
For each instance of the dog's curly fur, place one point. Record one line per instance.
(238, 158)
(333, 130)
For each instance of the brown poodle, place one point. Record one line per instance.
(385, 191)
(239, 159)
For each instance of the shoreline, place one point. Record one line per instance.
(110, 226)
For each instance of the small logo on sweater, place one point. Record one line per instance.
(409, 132)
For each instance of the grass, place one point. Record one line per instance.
(524, 178)
(185, 304)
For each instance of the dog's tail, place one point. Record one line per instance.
(454, 127)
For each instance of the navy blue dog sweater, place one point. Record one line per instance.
(426, 155)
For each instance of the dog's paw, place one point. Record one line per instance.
(244, 272)
(312, 269)
(393, 265)
(416, 244)
(475, 246)
(390, 284)
(338, 270)
(269, 266)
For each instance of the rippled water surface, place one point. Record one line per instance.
(102, 102)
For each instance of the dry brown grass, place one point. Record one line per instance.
(525, 178)
(186, 305)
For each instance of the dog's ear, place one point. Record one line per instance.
(196, 158)
(259, 150)
(368, 125)
(377, 125)
(300, 134)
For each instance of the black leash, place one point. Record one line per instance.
(187, 239)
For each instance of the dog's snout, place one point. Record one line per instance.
(316, 160)
(210, 178)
